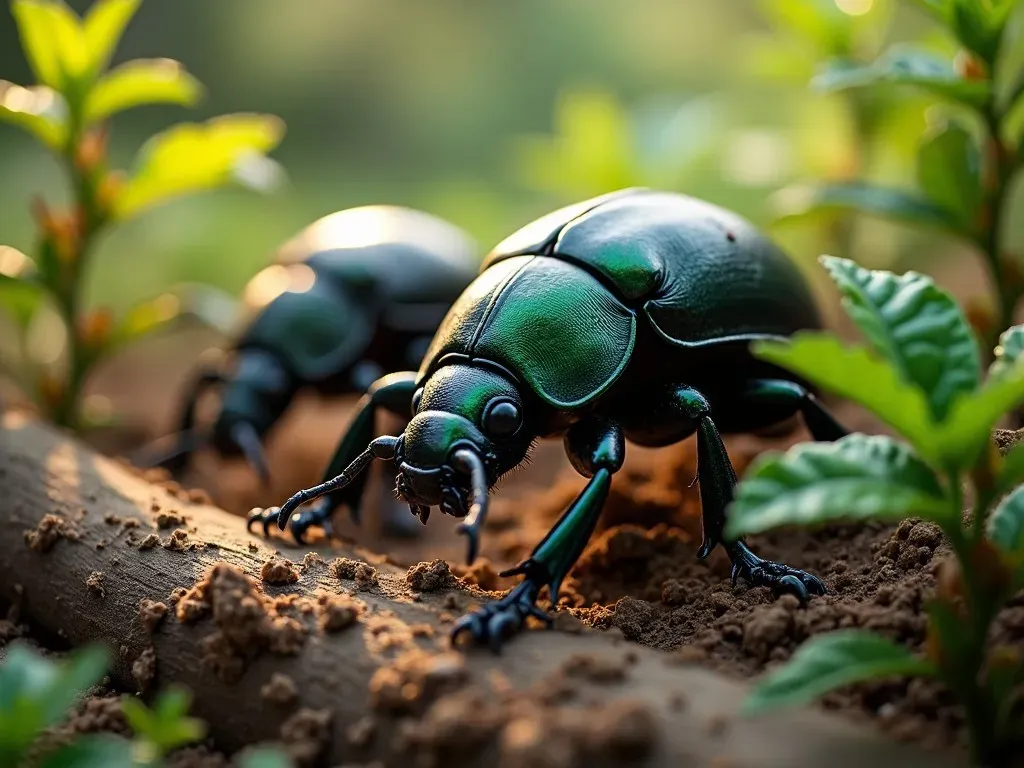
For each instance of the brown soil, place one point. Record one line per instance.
(639, 575)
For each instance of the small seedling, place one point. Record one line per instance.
(37, 693)
(921, 374)
(965, 162)
(68, 111)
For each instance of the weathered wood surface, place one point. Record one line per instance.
(542, 702)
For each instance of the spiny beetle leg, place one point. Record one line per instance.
(316, 514)
(779, 577)
(496, 621)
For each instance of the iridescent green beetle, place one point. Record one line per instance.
(356, 294)
(625, 317)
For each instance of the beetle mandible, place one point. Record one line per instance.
(624, 317)
(356, 294)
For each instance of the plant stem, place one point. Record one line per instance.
(88, 220)
(1000, 166)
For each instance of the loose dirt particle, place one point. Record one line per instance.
(98, 714)
(51, 529)
(279, 571)
(430, 577)
(179, 542)
(336, 612)
(151, 614)
(111, 519)
(280, 690)
(149, 542)
(483, 575)
(306, 735)
(144, 669)
(169, 518)
(312, 560)
(248, 621)
(415, 679)
(95, 584)
(364, 574)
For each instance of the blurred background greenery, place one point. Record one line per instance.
(491, 113)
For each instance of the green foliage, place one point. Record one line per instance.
(166, 726)
(949, 167)
(963, 176)
(67, 112)
(922, 375)
(832, 661)
(812, 200)
(1006, 526)
(93, 752)
(857, 478)
(1008, 352)
(906, 66)
(36, 693)
(190, 158)
(914, 325)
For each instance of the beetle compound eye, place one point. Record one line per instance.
(502, 419)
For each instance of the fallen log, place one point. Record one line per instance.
(344, 657)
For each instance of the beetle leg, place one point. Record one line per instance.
(717, 480)
(596, 448)
(392, 393)
(176, 460)
(762, 394)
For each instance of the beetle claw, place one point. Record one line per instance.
(472, 534)
(493, 623)
(779, 577)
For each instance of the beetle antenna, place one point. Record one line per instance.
(466, 460)
(245, 436)
(381, 448)
(186, 442)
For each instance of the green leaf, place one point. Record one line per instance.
(265, 758)
(53, 41)
(914, 325)
(139, 82)
(855, 374)
(36, 692)
(83, 669)
(949, 172)
(906, 66)
(93, 751)
(979, 24)
(959, 441)
(39, 110)
(1011, 470)
(167, 726)
(192, 157)
(1008, 351)
(103, 27)
(804, 200)
(39, 46)
(855, 478)
(830, 661)
(1006, 525)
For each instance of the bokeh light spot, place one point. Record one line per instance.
(855, 7)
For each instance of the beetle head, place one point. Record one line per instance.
(469, 427)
